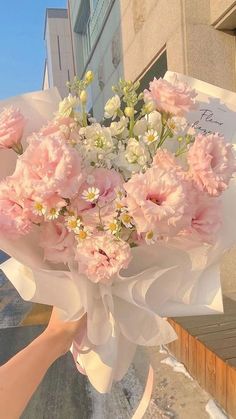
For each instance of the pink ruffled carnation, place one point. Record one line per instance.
(173, 99)
(212, 163)
(106, 181)
(157, 201)
(165, 160)
(57, 242)
(101, 257)
(50, 166)
(54, 126)
(12, 125)
(14, 220)
(206, 217)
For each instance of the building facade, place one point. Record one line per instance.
(138, 39)
(59, 62)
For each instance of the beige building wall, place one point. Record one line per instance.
(197, 35)
(59, 55)
(135, 32)
(45, 77)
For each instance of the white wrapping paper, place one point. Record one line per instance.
(217, 107)
(173, 279)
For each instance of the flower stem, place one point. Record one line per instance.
(131, 126)
(17, 148)
(84, 116)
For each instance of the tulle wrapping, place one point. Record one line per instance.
(166, 279)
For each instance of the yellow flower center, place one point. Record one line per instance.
(119, 205)
(126, 218)
(53, 211)
(82, 235)
(38, 206)
(112, 226)
(91, 195)
(172, 125)
(151, 138)
(72, 224)
(150, 235)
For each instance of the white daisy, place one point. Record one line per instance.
(73, 223)
(150, 136)
(126, 220)
(150, 237)
(38, 208)
(91, 194)
(52, 213)
(83, 234)
(112, 226)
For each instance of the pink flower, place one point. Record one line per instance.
(106, 181)
(206, 218)
(14, 221)
(212, 163)
(165, 160)
(50, 166)
(173, 99)
(57, 242)
(12, 124)
(101, 257)
(54, 126)
(157, 201)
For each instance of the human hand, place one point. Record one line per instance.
(64, 332)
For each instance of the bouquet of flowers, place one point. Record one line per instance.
(122, 220)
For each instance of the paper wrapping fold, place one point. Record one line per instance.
(160, 281)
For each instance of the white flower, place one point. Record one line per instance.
(135, 152)
(120, 127)
(150, 137)
(191, 131)
(111, 107)
(91, 194)
(67, 105)
(177, 124)
(154, 121)
(126, 220)
(119, 204)
(38, 208)
(83, 234)
(73, 223)
(53, 213)
(149, 107)
(98, 138)
(140, 126)
(120, 193)
(112, 226)
(150, 237)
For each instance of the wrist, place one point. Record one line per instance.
(56, 342)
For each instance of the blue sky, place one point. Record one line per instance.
(22, 49)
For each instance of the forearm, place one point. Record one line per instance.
(21, 375)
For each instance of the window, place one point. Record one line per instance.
(158, 69)
(90, 22)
